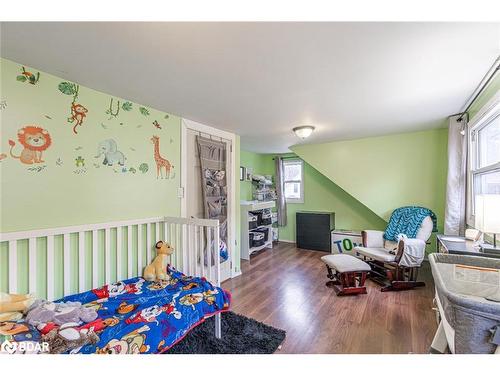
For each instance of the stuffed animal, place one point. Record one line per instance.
(60, 313)
(68, 337)
(12, 306)
(157, 270)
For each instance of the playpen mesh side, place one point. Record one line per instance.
(471, 318)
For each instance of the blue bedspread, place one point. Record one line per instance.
(137, 316)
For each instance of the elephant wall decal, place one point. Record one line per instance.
(109, 149)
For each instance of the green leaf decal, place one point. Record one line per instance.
(127, 106)
(21, 78)
(67, 88)
(144, 111)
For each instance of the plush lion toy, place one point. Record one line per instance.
(157, 270)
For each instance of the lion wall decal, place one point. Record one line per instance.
(35, 140)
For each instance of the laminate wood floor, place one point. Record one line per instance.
(285, 288)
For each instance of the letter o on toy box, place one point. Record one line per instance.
(347, 244)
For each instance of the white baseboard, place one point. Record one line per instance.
(235, 274)
(287, 241)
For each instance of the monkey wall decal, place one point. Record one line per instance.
(78, 114)
(78, 111)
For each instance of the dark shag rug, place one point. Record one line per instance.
(240, 335)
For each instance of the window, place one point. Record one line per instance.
(293, 170)
(484, 155)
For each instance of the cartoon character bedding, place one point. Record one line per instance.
(134, 316)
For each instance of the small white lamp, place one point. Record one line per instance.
(487, 214)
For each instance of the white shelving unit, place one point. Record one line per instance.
(246, 207)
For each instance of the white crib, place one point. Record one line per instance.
(56, 262)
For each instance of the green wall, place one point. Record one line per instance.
(58, 192)
(320, 194)
(387, 172)
(261, 163)
(62, 193)
(363, 180)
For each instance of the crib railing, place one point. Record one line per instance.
(56, 262)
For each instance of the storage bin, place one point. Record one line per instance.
(258, 215)
(252, 221)
(265, 231)
(266, 218)
(259, 195)
(257, 238)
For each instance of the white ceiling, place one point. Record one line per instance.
(259, 80)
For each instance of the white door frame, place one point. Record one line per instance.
(205, 129)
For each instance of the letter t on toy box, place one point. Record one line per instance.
(344, 241)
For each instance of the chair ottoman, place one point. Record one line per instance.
(347, 273)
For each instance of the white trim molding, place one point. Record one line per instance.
(296, 161)
(488, 113)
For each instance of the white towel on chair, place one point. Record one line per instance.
(414, 251)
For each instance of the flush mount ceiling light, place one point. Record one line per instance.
(303, 131)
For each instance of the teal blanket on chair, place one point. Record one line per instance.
(407, 220)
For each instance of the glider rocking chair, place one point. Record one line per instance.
(395, 265)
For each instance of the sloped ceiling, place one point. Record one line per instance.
(386, 172)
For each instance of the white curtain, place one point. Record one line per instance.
(280, 192)
(454, 217)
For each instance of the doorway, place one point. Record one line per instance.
(192, 200)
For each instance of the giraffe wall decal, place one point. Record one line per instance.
(160, 161)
